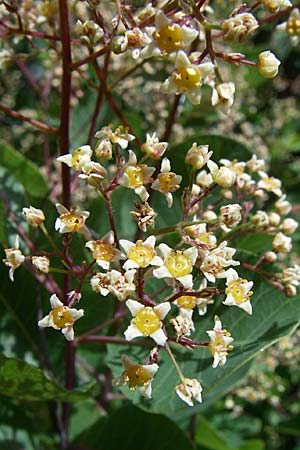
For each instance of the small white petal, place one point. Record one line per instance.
(132, 332)
(55, 302)
(68, 332)
(45, 322)
(159, 337)
(134, 307)
(162, 309)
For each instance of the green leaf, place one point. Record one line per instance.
(23, 381)
(208, 437)
(274, 317)
(253, 444)
(129, 428)
(24, 170)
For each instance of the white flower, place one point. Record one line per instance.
(187, 78)
(177, 265)
(134, 39)
(238, 291)
(290, 275)
(182, 325)
(230, 216)
(188, 303)
(122, 285)
(78, 159)
(275, 5)
(33, 216)
(282, 243)
(223, 176)
(147, 321)
(269, 184)
(41, 263)
(220, 343)
(71, 221)
(104, 250)
(166, 181)
(61, 317)
(136, 176)
(206, 239)
(216, 260)
(153, 147)
(289, 226)
(283, 206)
(204, 179)
(223, 96)
(93, 173)
(254, 164)
(90, 33)
(260, 219)
(14, 258)
(167, 37)
(198, 155)
(120, 136)
(189, 389)
(140, 254)
(268, 64)
(100, 282)
(137, 376)
(239, 26)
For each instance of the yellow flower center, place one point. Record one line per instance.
(187, 77)
(103, 251)
(72, 220)
(187, 301)
(136, 376)
(170, 38)
(293, 26)
(166, 182)
(77, 159)
(135, 176)
(236, 290)
(178, 265)
(147, 321)
(141, 254)
(271, 183)
(62, 317)
(238, 169)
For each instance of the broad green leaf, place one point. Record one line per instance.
(274, 317)
(26, 382)
(130, 428)
(24, 170)
(253, 444)
(209, 437)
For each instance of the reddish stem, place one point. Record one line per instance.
(36, 123)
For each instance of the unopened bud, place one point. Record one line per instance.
(270, 257)
(289, 226)
(227, 194)
(290, 290)
(274, 219)
(268, 64)
(210, 216)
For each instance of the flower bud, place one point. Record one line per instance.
(282, 206)
(196, 189)
(260, 219)
(282, 243)
(210, 216)
(290, 290)
(268, 64)
(274, 219)
(197, 156)
(227, 194)
(259, 193)
(103, 149)
(33, 216)
(230, 215)
(238, 27)
(289, 226)
(223, 96)
(270, 257)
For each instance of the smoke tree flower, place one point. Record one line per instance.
(144, 215)
(230, 216)
(222, 176)
(239, 26)
(220, 343)
(168, 37)
(188, 303)
(104, 250)
(136, 176)
(166, 181)
(120, 285)
(189, 389)
(61, 317)
(137, 376)
(187, 78)
(282, 243)
(275, 5)
(206, 239)
(33, 216)
(134, 40)
(214, 262)
(71, 221)
(147, 321)
(140, 254)
(41, 263)
(182, 325)
(177, 265)
(289, 226)
(14, 258)
(283, 206)
(119, 137)
(89, 31)
(238, 291)
(254, 164)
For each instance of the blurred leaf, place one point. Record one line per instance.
(209, 437)
(129, 428)
(26, 382)
(24, 170)
(253, 444)
(273, 317)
